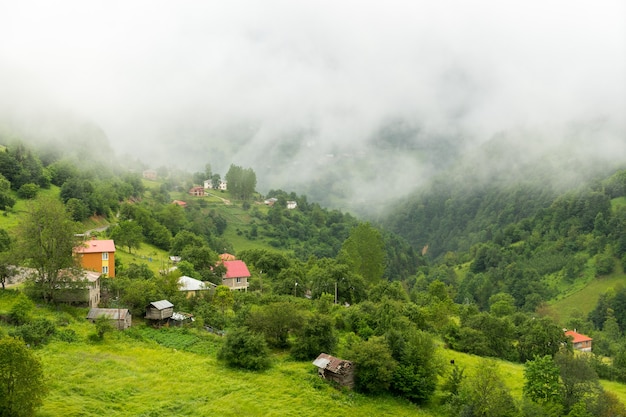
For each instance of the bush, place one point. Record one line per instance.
(244, 349)
(35, 333)
(21, 311)
(28, 191)
(22, 386)
(66, 335)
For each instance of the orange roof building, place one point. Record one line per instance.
(580, 341)
(227, 257)
(98, 256)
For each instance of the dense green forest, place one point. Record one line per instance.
(470, 266)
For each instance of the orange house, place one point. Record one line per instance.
(97, 255)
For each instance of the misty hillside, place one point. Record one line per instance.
(508, 179)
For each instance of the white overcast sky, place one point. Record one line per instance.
(341, 68)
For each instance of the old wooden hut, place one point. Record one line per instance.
(159, 310)
(335, 369)
(119, 318)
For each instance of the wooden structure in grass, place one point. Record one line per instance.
(335, 369)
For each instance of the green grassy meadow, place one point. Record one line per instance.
(174, 372)
(582, 298)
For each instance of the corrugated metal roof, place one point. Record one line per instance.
(191, 284)
(161, 305)
(331, 363)
(111, 313)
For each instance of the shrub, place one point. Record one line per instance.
(35, 333)
(28, 191)
(21, 311)
(244, 349)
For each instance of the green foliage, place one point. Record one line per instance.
(316, 336)
(485, 394)
(47, 238)
(241, 182)
(6, 201)
(28, 191)
(580, 381)
(364, 252)
(127, 233)
(374, 366)
(542, 380)
(103, 326)
(22, 310)
(22, 386)
(36, 332)
(605, 262)
(539, 337)
(415, 377)
(275, 321)
(245, 349)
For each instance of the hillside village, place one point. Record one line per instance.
(207, 267)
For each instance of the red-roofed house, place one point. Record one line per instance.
(236, 276)
(580, 341)
(180, 203)
(97, 255)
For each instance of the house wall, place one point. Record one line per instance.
(234, 285)
(94, 262)
(89, 295)
(583, 346)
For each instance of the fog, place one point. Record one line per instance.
(357, 100)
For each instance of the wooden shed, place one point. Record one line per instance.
(119, 318)
(335, 369)
(159, 310)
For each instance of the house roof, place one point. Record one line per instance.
(236, 269)
(577, 337)
(331, 363)
(96, 246)
(111, 313)
(161, 305)
(191, 284)
(227, 257)
(77, 275)
(179, 203)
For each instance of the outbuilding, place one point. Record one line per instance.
(159, 310)
(120, 318)
(335, 369)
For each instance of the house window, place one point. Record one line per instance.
(105, 269)
(105, 256)
(238, 280)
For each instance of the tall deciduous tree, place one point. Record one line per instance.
(364, 251)
(542, 380)
(22, 387)
(241, 182)
(47, 237)
(127, 233)
(485, 394)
